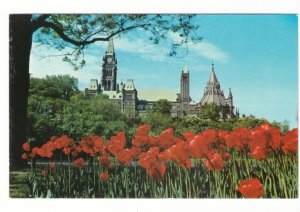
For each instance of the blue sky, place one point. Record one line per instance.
(255, 55)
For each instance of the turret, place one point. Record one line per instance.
(185, 90)
(109, 68)
(230, 98)
(185, 85)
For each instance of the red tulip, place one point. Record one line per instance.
(188, 136)
(44, 172)
(24, 156)
(115, 144)
(63, 141)
(52, 165)
(238, 138)
(258, 153)
(251, 188)
(166, 138)
(157, 172)
(226, 156)
(199, 146)
(104, 176)
(104, 160)
(92, 145)
(290, 142)
(79, 163)
(143, 130)
(179, 154)
(215, 162)
(66, 150)
(125, 156)
(148, 160)
(111, 166)
(26, 147)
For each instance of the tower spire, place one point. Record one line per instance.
(109, 68)
(230, 94)
(110, 47)
(212, 78)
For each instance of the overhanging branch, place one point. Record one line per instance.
(66, 38)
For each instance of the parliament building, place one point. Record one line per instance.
(136, 103)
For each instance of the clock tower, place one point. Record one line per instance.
(109, 68)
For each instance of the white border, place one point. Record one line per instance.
(153, 6)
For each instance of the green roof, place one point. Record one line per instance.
(156, 94)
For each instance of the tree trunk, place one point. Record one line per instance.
(20, 40)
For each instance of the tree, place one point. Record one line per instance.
(249, 122)
(95, 116)
(47, 97)
(283, 126)
(210, 111)
(158, 122)
(56, 87)
(162, 106)
(74, 33)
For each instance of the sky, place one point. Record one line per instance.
(254, 55)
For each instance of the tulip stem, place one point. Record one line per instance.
(69, 173)
(94, 173)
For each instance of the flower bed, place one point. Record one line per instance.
(213, 164)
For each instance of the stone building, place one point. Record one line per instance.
(136, 103)
(214, 94)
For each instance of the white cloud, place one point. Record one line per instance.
(137, 45)
(204, 49)
(142, 47)
(149, 51)
(210, 51)
(55, 66)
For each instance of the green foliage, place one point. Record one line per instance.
(55, 87)
(66, 181)
(209, 111)
(78, 31)
(249, 122)
(163, 107)
(90, 116)
(157, 121)
(284, 126)
(47, 97)
(198, 125)
(56, 107)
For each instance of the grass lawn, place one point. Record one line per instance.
(18, 187)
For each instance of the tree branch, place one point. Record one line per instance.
(37, 23)
(66, 38)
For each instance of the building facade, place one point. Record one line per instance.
(136, 103)
(214, 94)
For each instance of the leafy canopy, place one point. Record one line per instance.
(75, 32)
(162, 106)
(210, 111)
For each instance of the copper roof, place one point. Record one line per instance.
(212, 92)
(110, 47)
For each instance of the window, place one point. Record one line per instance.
(141, 107)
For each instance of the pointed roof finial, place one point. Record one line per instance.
(230, 94)
(185, 70)
(129, 85)
(213, 78)
(110, 47)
